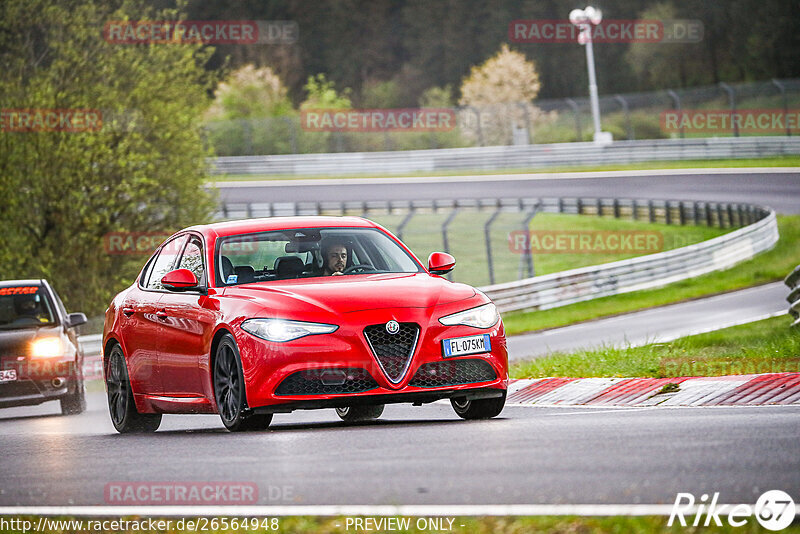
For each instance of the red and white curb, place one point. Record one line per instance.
(734, 390)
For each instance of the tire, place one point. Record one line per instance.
(121, 406)
(352, 414)
(478, 408)
(229, 390)
(74, 403)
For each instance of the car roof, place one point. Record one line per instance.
(14, 283)
(247, 226)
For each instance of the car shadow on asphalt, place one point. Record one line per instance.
(320, 426)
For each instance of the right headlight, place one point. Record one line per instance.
(280, 330)
(484, 316)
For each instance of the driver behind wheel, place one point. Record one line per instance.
(27, 307)
(334, 258)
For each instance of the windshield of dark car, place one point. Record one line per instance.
(299, 253)
(25, 307)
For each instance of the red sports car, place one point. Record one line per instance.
(250, 318)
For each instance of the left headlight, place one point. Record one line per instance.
(484, 316)
(48, 347)
(281, 330)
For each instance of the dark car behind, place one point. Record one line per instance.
(40, 357)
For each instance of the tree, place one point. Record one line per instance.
(143, 170)
(321, 94)
(502, 89)
(250, 93)
(508, 77)
(665, 65)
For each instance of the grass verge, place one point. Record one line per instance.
(768, 346)
(777, 161)
(767, 267)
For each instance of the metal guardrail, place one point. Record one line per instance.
(92, 350)
(793, 281)
(643, 272)
(507, 157)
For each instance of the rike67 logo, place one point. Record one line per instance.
(774, 510)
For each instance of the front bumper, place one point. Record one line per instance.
(266, 365)
(37, 382)
(416, 398)
(31, 392)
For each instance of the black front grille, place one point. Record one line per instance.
(327, 381)
(393, 351)
(453, 372)
(18, 388)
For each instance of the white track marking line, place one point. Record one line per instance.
(457, 510)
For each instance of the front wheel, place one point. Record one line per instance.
(229, 390)
(478, 408)
(74, 403)
(121, 406)
(359, 413)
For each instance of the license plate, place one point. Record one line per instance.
(458, 346)
(9, 375)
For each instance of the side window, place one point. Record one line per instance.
(164, 262)
(148, 268)
(192, 258)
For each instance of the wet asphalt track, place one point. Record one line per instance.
(781, 191)
(424, 455)
(427, 455)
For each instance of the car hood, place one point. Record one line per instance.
(345, 294)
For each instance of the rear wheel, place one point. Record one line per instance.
(359, 413)
(229, 390)
(121, 406)
(478, 408)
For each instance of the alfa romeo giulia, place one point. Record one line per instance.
(255, 317)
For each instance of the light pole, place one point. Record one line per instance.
(585, 19)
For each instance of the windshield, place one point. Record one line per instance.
(310, 253)
(24, 307)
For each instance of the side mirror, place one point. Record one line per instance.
(441, 263)
(180, 280)
(76, 319)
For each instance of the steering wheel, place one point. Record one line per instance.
(360, 268)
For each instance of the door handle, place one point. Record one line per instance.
(127, 311)
(161, 314)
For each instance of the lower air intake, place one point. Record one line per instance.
(327, 381)
(453, 372)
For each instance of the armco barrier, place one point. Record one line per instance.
(92, 363)
(507, 157)
(643, 272)
(793, 281)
